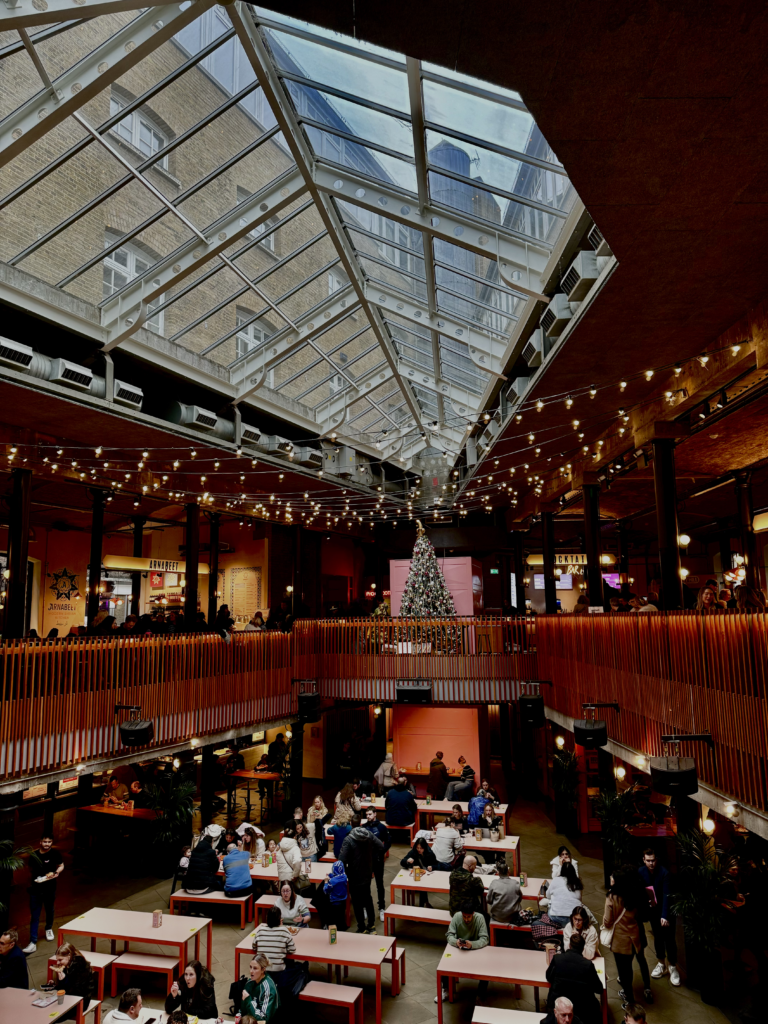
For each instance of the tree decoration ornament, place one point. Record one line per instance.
(426, 594)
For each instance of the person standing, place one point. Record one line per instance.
(385, 775)
(45, 865)
(620, 918)
(380, 830)
(464, 787)
(358, 854)
(13, 963)
(655, 876)
(438, 780)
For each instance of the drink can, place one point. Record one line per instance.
(332, 934)
(429, 799)
(478, 833)
(265, 860)
(157, 918)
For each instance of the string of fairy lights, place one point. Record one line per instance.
(191, 473)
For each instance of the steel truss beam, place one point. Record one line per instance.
(513, 255)
(464, 403)
(333, 413)
(16, 14)
(243, 21)
(485, 351)
(120, 312)
(104, 65)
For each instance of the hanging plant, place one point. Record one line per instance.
(565, 777)
(615, 812)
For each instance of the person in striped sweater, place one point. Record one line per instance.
(275, 940)
(260, 998)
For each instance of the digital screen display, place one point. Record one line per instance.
(612, 579)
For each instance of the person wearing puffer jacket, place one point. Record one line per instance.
(331, 897)
(288, 856)
(359, 852)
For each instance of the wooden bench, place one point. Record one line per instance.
(400, 960)
(422, 915)
(94, 1007)
(245, 902)
(336, 995)
(99, 963)
(263, 903)
(410, 829)
(501, 926)
(496, 1015)
(152, 962)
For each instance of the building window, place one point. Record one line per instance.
(139, 131)
(269, 241)
(122, 266)
(251, 336)
(336, 282)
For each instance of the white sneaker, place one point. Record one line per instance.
(659, 971)
(443, 996)
(48, 935)
(674, 975)
(381, 915)
(31, 948)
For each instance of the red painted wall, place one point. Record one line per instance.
(418, 732)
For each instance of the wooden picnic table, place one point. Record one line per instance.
(349, 950)
(439, 881)
(136, 926)
(16, 1006)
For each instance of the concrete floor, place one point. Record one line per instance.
(80, 890)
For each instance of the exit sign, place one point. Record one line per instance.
(494, 572)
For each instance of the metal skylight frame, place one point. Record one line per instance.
(519, 259)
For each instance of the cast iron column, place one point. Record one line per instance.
(724, 540)
(138, 551)
(18, 548)
(623, 560)
(748, 544)
(666, 522)
(213, 578)
(94, 567)
(593, 548)
(518, 597)
(548, 557)
(192, 555)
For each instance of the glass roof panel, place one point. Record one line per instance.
(462, 79)
(353, 118)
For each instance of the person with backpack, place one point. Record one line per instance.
(464, 787)
(330, 897)
(359, 853)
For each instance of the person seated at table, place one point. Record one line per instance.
(130, 1009)
(504, 895)
(293, 908)
(448, 844)
(467, 930)
(564, 895)
(178, 1017)
(459, 820)
(489, 820)
(487, 791)
(115, 793)
(140, 797)
(331, 897)
(231, 836)
(272, 849)
(402, 777)
(73, 974)
(194, 992)
(237, 872)
(318, 811)
(465, 886)
(260, 998)
(635, 1014)
(217, 836)
(580, 924)
(252, 842)
(13, 963)
(305, 837)
(399, 806)
(420, 856)
(348, 799)
(563, 856)
(276, 942)
(203, 869)
(572, 975)
(288, 856)
(561, 1013)
(438, 780)
(462, 788)
(186, 853)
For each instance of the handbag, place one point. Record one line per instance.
(606, 934)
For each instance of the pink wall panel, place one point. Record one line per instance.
(463, 577)
(418, 732)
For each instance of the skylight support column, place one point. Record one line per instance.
(16, 14)
(254, 49)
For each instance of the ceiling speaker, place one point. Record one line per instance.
(414, 693)
(137, 732)
(532, 710)
(309, 707)
(590, 735)
(674, 776)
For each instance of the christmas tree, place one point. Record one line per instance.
(426, 594)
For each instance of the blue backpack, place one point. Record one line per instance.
(475, 812)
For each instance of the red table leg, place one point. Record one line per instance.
(378, 994)
(439, 998)
(209, 952)
(395, 970)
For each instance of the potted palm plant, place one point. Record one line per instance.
(10, 861)
(615, 813)
(171, 798)
(701, 899)
(565, 779)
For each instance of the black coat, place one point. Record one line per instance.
(13, 969)
(399, 806)
(192, 1001)
(573, 976)
(359, 852)
(421, 860)
(78, 981)
(203, 868)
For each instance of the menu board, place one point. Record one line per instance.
(244, 592)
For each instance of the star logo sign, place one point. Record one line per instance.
(64, 585)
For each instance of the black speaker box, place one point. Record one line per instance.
(418, 693)
(137, 732)
(532, 710)
(674, 776)
(309, 707)
(590, 735)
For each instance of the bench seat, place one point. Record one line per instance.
(152, 962)
(422, 915)
(218, 896)
(335, 995)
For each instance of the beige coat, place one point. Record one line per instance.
(626, 935)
